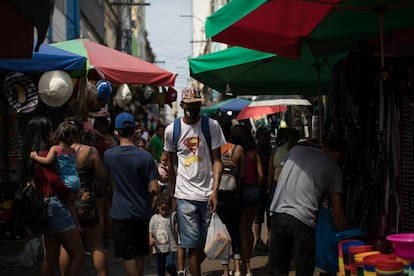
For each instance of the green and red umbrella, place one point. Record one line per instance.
(244, 71)
(117, 66)
(327, 26)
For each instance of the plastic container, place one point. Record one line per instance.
(352, 251)
(343, 262)
(370, 262)
(389, 267)
(359, 261)
(403, 245)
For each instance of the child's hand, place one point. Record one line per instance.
(33, 155)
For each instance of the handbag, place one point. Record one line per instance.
(30, 206)
(86, 210)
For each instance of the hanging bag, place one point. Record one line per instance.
(218, 241)
(30, 206)
(86, 210)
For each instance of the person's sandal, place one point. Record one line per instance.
(260, 246)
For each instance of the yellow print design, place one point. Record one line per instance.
(192, 144)
(191, 159)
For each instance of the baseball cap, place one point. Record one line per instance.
(191, 95)
(124, 120)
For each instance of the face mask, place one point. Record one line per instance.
(191, 114)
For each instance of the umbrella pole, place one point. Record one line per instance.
(381, 26)
(320, 103)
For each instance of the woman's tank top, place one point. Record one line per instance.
(250, 175)
(85, 173)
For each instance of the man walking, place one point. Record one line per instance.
(135, 178)
(198, 173)
(307, 175)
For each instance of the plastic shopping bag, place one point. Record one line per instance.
(218, 239)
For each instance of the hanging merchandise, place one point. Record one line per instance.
(147, 94)
(55, 88)
(104, 88)
(123, 95)
(171, 96)
(20, 92)
(161, 96)
(92, 102)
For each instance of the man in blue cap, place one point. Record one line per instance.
(135, 176)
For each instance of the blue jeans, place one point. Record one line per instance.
(193, 220)
(291, 239)
(59, 219)
(166, 260)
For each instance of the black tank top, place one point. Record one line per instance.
(85, 173)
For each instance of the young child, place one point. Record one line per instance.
(163, 235)
(163, 171)
(64, 158)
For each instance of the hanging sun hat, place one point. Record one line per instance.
(55, 88)
(123, 95)
(20, 92)
(104, 88)
(147, 94)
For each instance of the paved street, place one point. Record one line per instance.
(208, 267)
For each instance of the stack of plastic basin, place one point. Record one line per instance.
(389, 267)
(359, 260)
(371, 261)
(343, 262)
(352, 251)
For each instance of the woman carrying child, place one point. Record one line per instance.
(64, 158)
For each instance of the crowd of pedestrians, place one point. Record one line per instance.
(155, 194)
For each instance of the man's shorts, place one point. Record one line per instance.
(193, 220)
(59, 219)
(130, 238)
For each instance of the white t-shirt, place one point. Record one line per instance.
(163, 230)
(194, 180)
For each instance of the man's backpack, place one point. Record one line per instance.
(230, 179)
(204, 128)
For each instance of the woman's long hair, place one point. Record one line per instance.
(35, 138)
(241, 135)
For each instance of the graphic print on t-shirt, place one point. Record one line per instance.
(192, 143)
